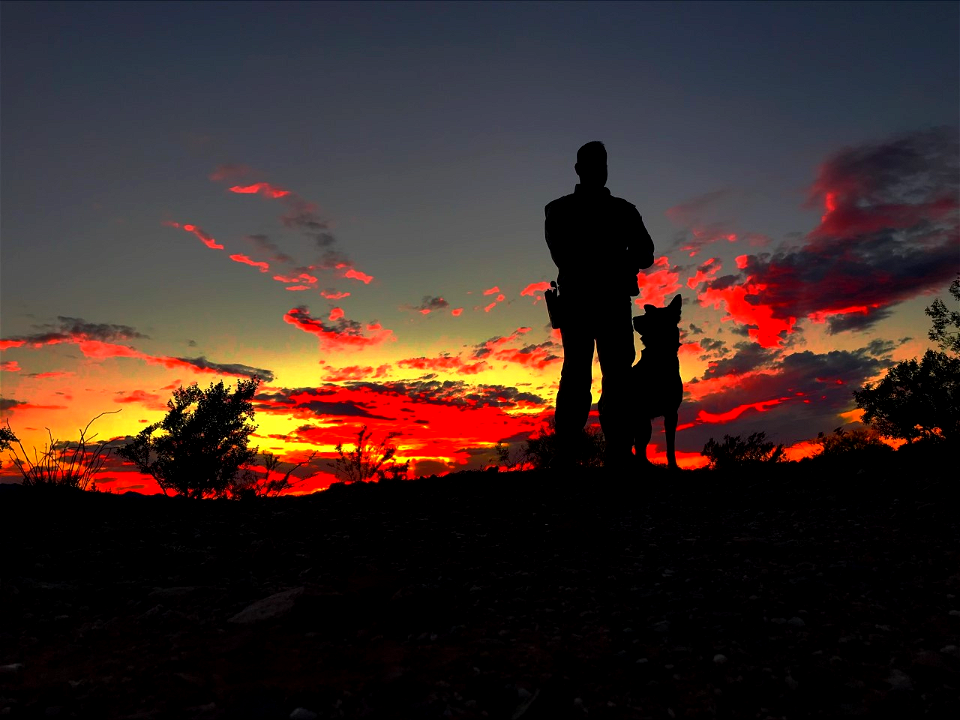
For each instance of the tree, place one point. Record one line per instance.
(948, 340)
(7, 438)
(367, 460)
(915, 400)
(921, 400)
(203, 451)
(733, 451)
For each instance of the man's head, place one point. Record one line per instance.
(592, 164)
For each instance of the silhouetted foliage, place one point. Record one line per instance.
(272, 483)
(510, 459)
(203, 450)
(735, 451)
(943, 319)
(60, 464)
(369, 460)
(543, 449)
(860, 441)
(7, 438)
(915, 400)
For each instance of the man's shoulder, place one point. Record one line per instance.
(559, 203)
(622, 203)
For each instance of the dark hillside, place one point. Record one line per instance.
(796, 590)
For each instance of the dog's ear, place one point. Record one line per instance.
(650, 308)
(676, 302)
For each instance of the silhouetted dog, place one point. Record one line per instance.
(655, 379)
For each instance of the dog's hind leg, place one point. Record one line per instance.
(670, 429)
(644, 433)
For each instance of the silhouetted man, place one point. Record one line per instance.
(599, 244)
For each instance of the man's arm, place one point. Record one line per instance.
(553, 232)
(639, 242)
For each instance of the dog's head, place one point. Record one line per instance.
(657, 327)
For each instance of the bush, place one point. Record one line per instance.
(543, 449)
(272, 483)
(203, 451)
(60, 464)
(367, 460)
(847, 443)
(734, 452)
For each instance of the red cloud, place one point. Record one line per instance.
(299, 279)
(203, 237)
(490, 307)
(768, 328)
(336, 313)
(9, 366)
(230, 172)
(154, 402)
(762, 406)
(536, 287)
(354, 372)
(333, 294)
(705, 272)
(7, 344)
(444, 362)
(657, 284)
(264, 267)
(456, 312)
(343, 333)
(356, 274)
(492, 291)
(262, 188)
(52, 375)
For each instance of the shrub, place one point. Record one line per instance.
(846, 443)
(734, 451)
(368, 460)
(542, 450)
(203, 450)
(272, 483)
(60, 464)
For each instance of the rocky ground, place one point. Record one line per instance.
(788, 593)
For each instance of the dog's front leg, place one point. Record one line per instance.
(670, 428)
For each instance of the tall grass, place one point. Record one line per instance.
(62, 464)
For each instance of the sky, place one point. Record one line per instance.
(346, 199)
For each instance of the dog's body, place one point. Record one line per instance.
(655, 379)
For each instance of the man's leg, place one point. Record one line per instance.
(573, 396)
(615, 348)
